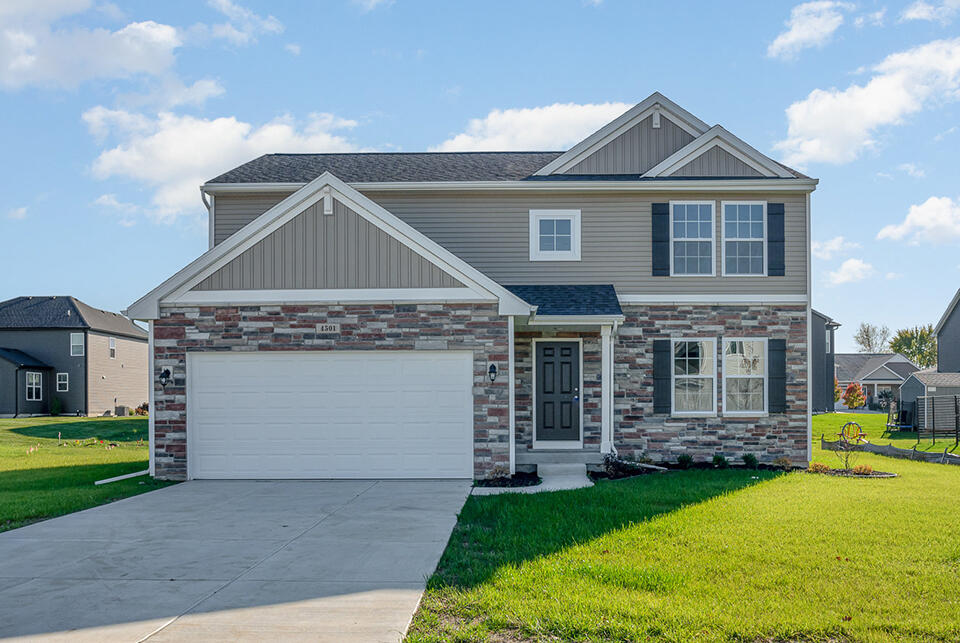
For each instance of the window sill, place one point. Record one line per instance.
(746, 414)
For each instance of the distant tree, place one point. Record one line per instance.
(917, 343)
(871, 338)
(854, 398)
(837, 391)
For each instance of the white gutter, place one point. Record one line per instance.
(809, 338)
(511, 376)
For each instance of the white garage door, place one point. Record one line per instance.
(382, 414)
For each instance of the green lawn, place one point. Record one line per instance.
(873, 425)
(709, 556)
(57, 476)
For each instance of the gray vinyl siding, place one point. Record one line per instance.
(821, 364)
(948, 344)
(716, 162)
(317, 251)
(491, 232)
(635, 151)
(52, 347)
(232, 212)
(910, 390)
(8, 388)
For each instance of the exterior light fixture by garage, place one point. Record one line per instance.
(492, 372)
(165, 377)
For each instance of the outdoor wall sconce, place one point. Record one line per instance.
(492, 372)
(165, 377)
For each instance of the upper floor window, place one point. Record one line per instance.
(76, 344)
(827, 340)
(691, 238)
(744, 238)
(113, 348)
(34, 386)
(554, 235)
(694, 377)
(744, 376)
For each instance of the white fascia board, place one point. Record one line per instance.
(328, 296)
(574, 320)
(148, 307)
(713, 299)
(946, 314)
(718, 136)
(619, 125)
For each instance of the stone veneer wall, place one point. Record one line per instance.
(477, 327)
(638, 431)
(590, 396)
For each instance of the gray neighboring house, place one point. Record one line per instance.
(822, 360)
(876, 372)
(430, 315)
(944, 378)
(59, 347)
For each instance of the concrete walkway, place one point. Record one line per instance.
(238, 560)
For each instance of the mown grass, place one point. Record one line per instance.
(709, 556)
(42, 476)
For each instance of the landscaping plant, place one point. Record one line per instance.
(720, 462)
(750, 461)
(684, 460)
(854, 398)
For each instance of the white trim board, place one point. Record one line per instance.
(330, 296)
(947, 313)
(148, 306)
(717, 136)
(712, 299)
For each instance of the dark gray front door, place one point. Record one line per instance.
(557, 397)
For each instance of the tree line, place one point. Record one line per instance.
(917, 343)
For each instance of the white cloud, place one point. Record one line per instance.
(827, 249)
(370, 5)
(552, 127)
(835, 126)
(912, 169)
(292, 48)
(942, 12)
(173, 154)
(125, 212)
(893, 275)
(936, 220)
(17, 213)
(945, 133)
(811, 24)
(850, 271)
(873, 19)
(243, 25)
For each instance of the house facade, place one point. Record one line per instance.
(944, 378)
(822, 361)
(91, 361)
(877, 373)
(464, 314)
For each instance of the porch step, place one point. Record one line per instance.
(558, 456)
(555, 477)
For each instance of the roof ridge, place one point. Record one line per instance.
(73, 302)
(409, 153)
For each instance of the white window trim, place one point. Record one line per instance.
(38, 387)
(766, 377)
(554, 255)
(112, 347)
(82, 347)
(723, 238)
(673, 377)
(713, 239)
(66, 383)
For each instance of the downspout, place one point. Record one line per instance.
(209, 204)
(809, 339)
(511, 376)
(151, 409)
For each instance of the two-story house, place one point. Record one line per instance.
(445, 314)
(822, 361)
(90, 360)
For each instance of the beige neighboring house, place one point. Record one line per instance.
(459, 315)
(876, 372)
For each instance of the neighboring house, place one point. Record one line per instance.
(822, 363)
(58, 347)
(459, 314)
(876, 372)
(944, 378)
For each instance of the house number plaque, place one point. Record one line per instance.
(328, 328)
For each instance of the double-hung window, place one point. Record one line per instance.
(34, 386)
(554, 235)
(744, 376)
(744, 238)
(113, 348)
(63, 382)
(694, 377)
(76, 344)
(691, 238)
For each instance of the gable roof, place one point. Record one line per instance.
(570, 300)
(830, 322)
(933, 378)
(64, 312)
(21, 359)
(715, 137)
(177, 288)
(947, 313)
(855, 367)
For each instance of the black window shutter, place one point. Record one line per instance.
(661, 239)
(661, 376)
(775, 240)
(777, 361)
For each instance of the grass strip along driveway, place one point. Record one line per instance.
(42, 476)
(709, 555)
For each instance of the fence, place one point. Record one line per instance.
(892, 451)
(938, 416)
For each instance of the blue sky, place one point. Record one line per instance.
(113, 114)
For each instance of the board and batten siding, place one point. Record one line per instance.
(716, 162)
(491, 232)
(636, 150)
(318, 251)
(122, 380)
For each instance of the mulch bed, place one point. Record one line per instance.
(519, 479)
(848, 473)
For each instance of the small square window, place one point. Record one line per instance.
(554, 235)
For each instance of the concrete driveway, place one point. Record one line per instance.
(211, 560)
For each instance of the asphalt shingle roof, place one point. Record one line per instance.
(855, 367)
(64, 312)
(932, 378)
(19, 358)
(570, 300)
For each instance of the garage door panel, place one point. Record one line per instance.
(330, 415)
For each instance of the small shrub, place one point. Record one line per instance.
(750, 461)
(818, 467)
(142, 409)
(783, 463)
(684, 460)
(55, 406)
(720, 462)
(616, 467)
(863, 469)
